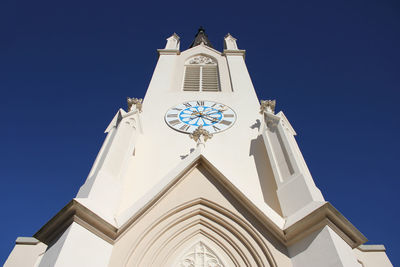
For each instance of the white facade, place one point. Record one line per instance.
(155, 197)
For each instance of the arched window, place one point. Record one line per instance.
(201, 74)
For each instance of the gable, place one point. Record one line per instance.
(197, 208)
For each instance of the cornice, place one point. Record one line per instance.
(168, 52)
(234, 53)
(325, 215)
(76, 212)
(26, 241)
(370, 248)
(200, 48)
(296, 227)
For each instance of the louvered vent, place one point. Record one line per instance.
(192, 78)
(209, 78)
(201, 74)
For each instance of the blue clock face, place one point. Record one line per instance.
(188, 116)
(200, 115)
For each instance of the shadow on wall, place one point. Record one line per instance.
(265, 174)
(245, 212)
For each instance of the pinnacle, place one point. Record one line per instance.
(201, 38)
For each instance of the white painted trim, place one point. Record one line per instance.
(168, 52)
(22, 240)
(287, 231)
(235, 53)
(286, 122)
(372, 248)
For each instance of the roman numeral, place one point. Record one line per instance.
(224, 122)
(178, 109)
(216, 128)
(187, 105)
(174, 122)
(214, 105)
(228, 115)
(200, 103)
(184, 127)
(172, 115)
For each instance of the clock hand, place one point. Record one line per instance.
(201, 115)
(223, 108)
(212, 113)
(190, 118)
(219, 111)
(212, 119)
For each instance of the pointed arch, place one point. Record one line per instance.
(200, 59)
(235, 238)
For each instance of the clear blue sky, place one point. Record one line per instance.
(333, 66)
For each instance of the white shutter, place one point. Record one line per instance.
(209, 78)
(201, 74)
(192, 78)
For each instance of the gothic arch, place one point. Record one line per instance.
(174, 231)
(201, 61)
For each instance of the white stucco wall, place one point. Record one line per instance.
(141, 149)
(322, 248)
(160, 149)
(77, 247)
(372, 255)
(27, 252)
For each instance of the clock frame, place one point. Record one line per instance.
(188, 116)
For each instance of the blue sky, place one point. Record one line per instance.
(333, 66)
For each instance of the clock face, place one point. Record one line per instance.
(188, 116)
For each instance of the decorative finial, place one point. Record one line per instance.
(200, 135)
(134, 103)
(267, 106)
(173, 42)
(201, 38)
(230, 42)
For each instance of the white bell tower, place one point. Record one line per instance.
(198, 173)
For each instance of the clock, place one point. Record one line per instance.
(188, 116)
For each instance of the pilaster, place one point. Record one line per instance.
(295, 186)
(102, 189)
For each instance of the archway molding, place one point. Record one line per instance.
(170, 234)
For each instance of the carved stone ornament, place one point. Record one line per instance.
(134, 103)
(200, 256)
(267, 106)
(200, 135)
(201, 60)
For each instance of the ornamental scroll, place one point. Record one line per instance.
(201, 60)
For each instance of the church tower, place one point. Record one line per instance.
(198, 173)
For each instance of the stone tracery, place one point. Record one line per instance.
(199, 255)
(201, 60)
